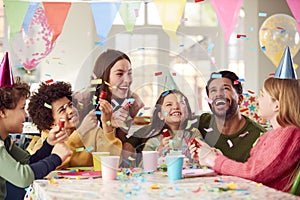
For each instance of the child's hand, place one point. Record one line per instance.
(166, 141)
(55, 136)
(88, 123)
(106, 110)
(62, 151)
(119, 118)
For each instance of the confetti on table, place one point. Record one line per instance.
(229, 142)
(47, 105)
(154, 186)
(197, 189)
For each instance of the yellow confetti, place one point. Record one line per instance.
(47, 105)
(92, 89)
(52, 181)
(106, 83)
(80, 149)
(259, 184)
(154, 186)
(108, 123)
(96, 81)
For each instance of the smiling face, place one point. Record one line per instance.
(120, 78)
(225, 99)
(174, 110)
(63, 108)
(12, 119)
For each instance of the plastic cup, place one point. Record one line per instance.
(97, 159)
(174, 166)
(110, 165)
(150, 160)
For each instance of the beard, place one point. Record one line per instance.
(227, 113)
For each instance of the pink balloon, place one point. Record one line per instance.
(33, 46)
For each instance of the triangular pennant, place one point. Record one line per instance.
(170, 13)
(104, 15)
(29, 15)
(15, 12)
(6, 76)
(295, 8)
(227, 12)
(56, 14)
(129, 11)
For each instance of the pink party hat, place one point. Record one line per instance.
(285, 69)
(6, 76)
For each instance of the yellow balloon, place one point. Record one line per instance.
(277, 32)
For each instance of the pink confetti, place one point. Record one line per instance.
(208, 129)
(244, 134)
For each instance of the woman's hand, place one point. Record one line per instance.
(55, 136)
(204, 153)
(88, 123)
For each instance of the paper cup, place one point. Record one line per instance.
(150, 160)
(97, 159)
(109, 165)
(174, 167)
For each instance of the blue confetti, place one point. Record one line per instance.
(215, 75)
(97, 112)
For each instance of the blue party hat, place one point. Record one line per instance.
(6, 76)
(285, 69)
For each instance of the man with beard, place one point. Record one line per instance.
(227, 129)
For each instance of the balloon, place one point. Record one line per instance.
(33, 46)
(276, 33)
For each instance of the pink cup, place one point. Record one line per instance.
(150, 160)
(109, 165)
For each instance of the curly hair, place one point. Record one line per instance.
(40, 114)
(10, 96)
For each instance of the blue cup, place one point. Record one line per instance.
(174, 166)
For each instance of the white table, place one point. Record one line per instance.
(155, 186)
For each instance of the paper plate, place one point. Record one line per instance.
(83, 174)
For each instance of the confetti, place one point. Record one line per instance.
(108, 123)
(208, 129)
(208, 100)
(165, 93)
(229, 143)
(140, 114)
(197, 1)
(89, 149)
(263, 48)
(210, 47)
(241, 36)
(136, 12)
(47, 105)
(215, 75)
(49, 81)
(244, 134)
(96, 81)
(157, 73)
(146, 108)
(80, 149)
(154, 186)
(97, 112)
(262, 14)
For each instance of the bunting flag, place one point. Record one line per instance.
(15, 12)
(129, 11)
(227, 12)
(56, 13)
(104, 15)
(29, 15)
(295, 8)
(170, 13)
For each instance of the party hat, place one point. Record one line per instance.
(6, 77)
(285, 69)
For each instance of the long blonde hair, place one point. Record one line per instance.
(287, 93)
